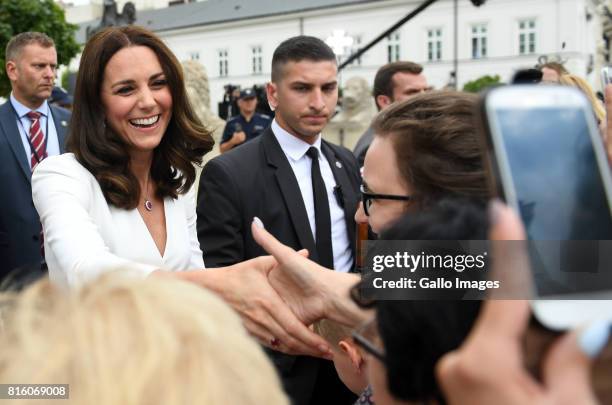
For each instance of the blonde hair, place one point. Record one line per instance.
(332, 331)
(582, 85)
(124, 341)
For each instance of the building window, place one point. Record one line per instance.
(223, 62)
(393, 47)
(256, 60)
(479, 41)
(434, 44)
(194, 56)
(527, 37)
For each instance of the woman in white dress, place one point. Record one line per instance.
(121, 198)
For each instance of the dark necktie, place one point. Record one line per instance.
(322, 216)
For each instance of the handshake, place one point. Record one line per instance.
(280, 295)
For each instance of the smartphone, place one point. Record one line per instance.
(546, 159)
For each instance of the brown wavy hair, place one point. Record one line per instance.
(436, 144)
(104, 153)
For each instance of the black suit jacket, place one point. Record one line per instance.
(19, 222)
(256, 179)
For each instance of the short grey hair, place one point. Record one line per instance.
(20, 41)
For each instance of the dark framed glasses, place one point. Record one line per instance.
(364, 337)
(367, 198)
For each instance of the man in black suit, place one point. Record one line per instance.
(304, 189)
(30, 130)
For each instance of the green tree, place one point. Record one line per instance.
(65, 78)
(46, 16)
(481, 83)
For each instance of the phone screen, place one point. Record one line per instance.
(550, 171)
(555, 174)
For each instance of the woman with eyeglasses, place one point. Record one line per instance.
(424, 149)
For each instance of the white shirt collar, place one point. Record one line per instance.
(22, 110)
(293, 147)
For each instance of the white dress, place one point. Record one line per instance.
(85, 236)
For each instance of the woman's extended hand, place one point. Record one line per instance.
(311, 291)
(245, 287)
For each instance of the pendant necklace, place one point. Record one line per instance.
(147, 203)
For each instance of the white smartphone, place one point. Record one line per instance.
(546, 159)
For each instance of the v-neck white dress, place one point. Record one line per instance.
(85, 236)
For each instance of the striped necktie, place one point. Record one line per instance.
(37, 140)
(37, 154)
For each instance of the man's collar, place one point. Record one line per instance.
(23, 110)
(293, 147)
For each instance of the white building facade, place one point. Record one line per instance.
(78, 11)
(236, 44)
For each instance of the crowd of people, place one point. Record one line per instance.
(158, 294)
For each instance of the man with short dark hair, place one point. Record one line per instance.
(395, 81)
(246, 125)
(304, 190)
(30, 130)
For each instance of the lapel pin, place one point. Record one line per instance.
(338, 165)
(64, 124)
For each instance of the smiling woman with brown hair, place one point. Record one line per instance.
(121, 196)
(123, 199)
(116, 119)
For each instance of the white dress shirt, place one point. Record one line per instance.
(85, 236)
(46, 124)
(295, 149)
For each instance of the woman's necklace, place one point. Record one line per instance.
(147, 203)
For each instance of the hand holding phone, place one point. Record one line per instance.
(547, 161)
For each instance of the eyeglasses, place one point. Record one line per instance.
(367, 198)
(363, 337)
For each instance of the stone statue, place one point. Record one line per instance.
(357, 112)
(198, 92)
(111, 18)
